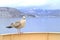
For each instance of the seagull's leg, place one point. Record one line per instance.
(18, 30)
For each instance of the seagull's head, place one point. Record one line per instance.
(24, 17)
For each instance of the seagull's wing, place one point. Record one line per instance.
(16, 24)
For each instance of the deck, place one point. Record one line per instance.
(31, 36)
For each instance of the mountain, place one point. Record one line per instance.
(41, 12)
(8, 12)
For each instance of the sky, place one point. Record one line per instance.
(54, 4)
(22, 2)
(18, 3)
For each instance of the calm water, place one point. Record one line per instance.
(32, 25)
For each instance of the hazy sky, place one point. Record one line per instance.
(54, 4)
(22, 2)
(17, 3)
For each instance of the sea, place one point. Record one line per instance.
(38, 24)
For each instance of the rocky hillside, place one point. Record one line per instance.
(9, 12)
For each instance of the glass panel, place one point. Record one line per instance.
(41, 15)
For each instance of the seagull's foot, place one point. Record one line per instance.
(20, 33)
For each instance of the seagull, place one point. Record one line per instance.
(18, 24)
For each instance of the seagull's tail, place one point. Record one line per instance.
(9, 27)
